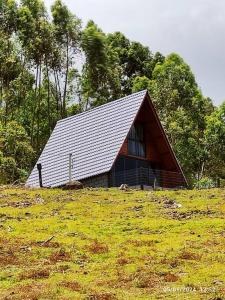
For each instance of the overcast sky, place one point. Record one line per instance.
(193, 28)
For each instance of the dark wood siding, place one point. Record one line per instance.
(157, 149)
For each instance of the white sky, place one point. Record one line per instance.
(195, 29)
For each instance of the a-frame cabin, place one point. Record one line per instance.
(121, 142)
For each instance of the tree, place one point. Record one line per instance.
(135, 60)
(140, 83)
(16, 153)
(182, 109)
(31, 15)
(100, 78)
(66, 28)
(215, 141)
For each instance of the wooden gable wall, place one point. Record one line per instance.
(158, 150)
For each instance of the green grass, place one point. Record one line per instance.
(110, 244)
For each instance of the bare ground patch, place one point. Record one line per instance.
(13, 252)
(59, 256)
(32, 291)
(37, 273)
(188, 255)
(101, 296)
(98, 248)
(71, 285)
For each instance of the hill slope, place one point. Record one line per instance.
(110, 244)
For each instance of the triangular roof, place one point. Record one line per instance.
(93, 137)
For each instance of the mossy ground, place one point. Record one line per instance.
(110, 244)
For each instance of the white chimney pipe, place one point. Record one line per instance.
(70, 167)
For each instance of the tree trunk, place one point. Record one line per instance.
(39, 109)
(66, 79)
(60, 95)
(56, 94)
(48, 99)
(34, 105)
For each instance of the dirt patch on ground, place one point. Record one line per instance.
(32, 291)
(13, 252)
(169, 277)
(46, 244)
(173, 263)
(167, 202)
(62, 269)
(141, 243)
(98, 248)
(123, 280)
(60, 255)
(189, 255)
(20, 204)
(136, 208)
(8, 258)
(145, 279)
(122, 261)
(170, 203)
(142, 278)
(71, 285)
(211, 243)
(25, 201)
(176, 215)
(39, 273)
(5, 217)
(101, 296)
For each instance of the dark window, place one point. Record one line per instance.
(136, 144)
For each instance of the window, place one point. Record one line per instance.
(136, 145)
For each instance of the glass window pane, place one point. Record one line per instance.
(136, 144)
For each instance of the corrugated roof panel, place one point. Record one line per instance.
(93, 137)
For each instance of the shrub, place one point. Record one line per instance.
(205, 183)
(16, 153)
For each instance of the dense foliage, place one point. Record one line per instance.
(51, 67)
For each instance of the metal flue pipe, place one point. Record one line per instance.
(70, 167)
(39, 167)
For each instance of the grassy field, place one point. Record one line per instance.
(109, 244)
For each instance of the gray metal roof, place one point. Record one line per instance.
(93, 137)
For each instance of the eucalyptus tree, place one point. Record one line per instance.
(31, 15)
(215, 142)
(134, 59)
(101, 71)
(8, 24)
(15, 79)
(67, 32)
